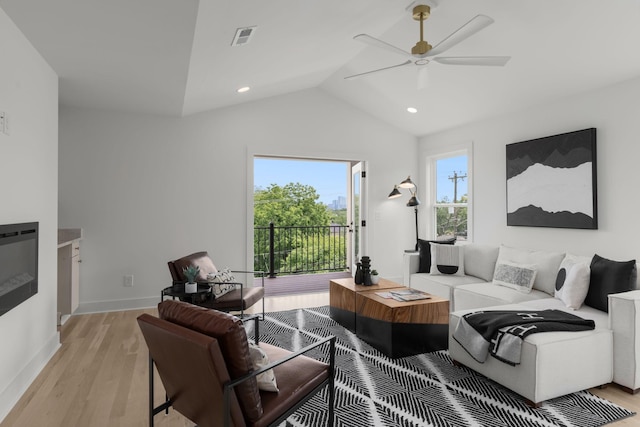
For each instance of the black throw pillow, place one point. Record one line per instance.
(609, 277)
(425, 252)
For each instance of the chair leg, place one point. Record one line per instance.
(163, 407)
(331, 400)
(150, 391)
(331, 383)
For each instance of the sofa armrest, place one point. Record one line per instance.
(624, 315)
(410, 265)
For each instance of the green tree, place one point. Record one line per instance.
(339, 217)
(451, 221)
(295, 205)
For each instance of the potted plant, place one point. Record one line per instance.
(374, 277)
(191, 272)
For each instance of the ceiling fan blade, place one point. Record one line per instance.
(372, 41)
(496, 61)
(476, 24)
(407, 62)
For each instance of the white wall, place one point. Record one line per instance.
(148, 189)
(28, 192)
(614, 111)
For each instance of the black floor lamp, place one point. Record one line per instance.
(413, 201)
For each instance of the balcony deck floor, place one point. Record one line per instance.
(300, 283)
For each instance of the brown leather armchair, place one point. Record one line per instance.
(202, 357)
(239, 299)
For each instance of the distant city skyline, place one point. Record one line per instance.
(328, 178)
(339, 203)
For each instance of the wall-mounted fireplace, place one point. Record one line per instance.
(18, 264)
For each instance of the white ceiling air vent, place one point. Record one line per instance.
(243, 36)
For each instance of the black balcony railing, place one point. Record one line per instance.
(299, 250)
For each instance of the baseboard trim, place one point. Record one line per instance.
(21, 382)
(116, 305)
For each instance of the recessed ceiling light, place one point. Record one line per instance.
(243, 89)
(412, 110)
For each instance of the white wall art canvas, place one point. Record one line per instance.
(551, 181)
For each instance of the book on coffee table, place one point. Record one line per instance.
(386, 295)
(408, 295)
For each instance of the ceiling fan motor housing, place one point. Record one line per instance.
(421, 48)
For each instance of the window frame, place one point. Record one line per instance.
(434, 204)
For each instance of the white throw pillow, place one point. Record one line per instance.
(222, 281)
(259, 359)
(447, 259)
(547, 264)
(515, 276)
(572, 283)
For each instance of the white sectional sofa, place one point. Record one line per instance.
(552, 363)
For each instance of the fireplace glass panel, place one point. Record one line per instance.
(18, 264)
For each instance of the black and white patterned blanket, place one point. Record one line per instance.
(500, 333)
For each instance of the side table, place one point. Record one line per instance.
(177, 291)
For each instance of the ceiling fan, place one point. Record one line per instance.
(423, 53)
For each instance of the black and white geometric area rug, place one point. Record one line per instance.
(422, 390)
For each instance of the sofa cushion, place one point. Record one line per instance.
(424, 250)
(572, 282)
(609, 277)
(440, 285)
(515, 276)
(480, 295)
(447, 259)
(228, 330)
(552, 364)
(547, 264)
(598, 316)
(480, 260)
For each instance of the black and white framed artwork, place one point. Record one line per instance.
(551, 181)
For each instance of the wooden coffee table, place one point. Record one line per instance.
(399, 328)
(396, 328)
(342, 298)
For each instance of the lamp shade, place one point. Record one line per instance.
(395, 193)
(407, 183)
(413, 201)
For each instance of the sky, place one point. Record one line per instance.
(328, 178)
(445, 168)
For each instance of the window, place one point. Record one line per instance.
(451, 203)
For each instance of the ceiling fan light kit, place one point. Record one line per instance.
(423, 53)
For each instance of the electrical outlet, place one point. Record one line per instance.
(128, 281)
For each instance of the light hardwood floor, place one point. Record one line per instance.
(99, 376)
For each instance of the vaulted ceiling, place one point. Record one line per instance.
(174, 57)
